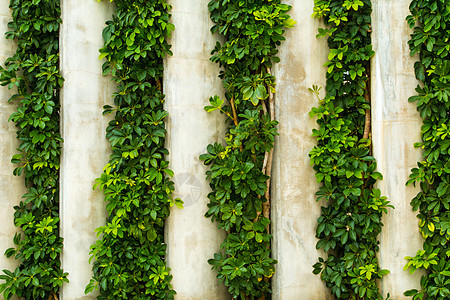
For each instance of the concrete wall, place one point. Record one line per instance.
(395, 128)
(294, 207)
(85, 150)
(190, 79)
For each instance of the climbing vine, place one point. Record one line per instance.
(240, 171)
(129, 256)
(430, 39)
(33, 73)
(350, 223)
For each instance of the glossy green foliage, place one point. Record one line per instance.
(252, 29)
(350, 223)
(129, 256)
(33, 73)
(430, 21)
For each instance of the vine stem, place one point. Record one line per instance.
(267, 163)
(266, 158)
(263, 104)
(368, 119)
(266, 205)
(233, 108)
(268, 167)
(271, 100)
(367, 125)
(159, 85)
(52, 296)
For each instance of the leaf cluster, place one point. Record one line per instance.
(33, 74)
(252, 30)
(236, 202)
(350, 223)
(430, 21)
(129, 255)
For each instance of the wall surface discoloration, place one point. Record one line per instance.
(396, 127)
(294, 208)
(85, 149)
(189, 80)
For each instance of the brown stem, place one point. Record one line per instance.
(268, 166)
(264, 167)
(271, 101)
(158, 84)
(367, 97)
(235, 118)
(264, 108)
(233, 108)
(266, 158)
(266, 205)
(367, 125)
(52, 296)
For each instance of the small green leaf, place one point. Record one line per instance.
(258, 237)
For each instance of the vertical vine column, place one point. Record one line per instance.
(86, 150)
(240, 170)
(294, 208)
(34, 71)
(349, 225)
(430, 21)
(129, 255)
(189, 78)
(396, 127)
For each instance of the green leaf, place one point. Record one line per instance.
(258, 237)
(410, 293)
(289, 23)
(103, 55)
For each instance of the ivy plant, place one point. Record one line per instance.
(350, 222)
(240, 169)
(430, 21)
(33, 73)
(129, 255)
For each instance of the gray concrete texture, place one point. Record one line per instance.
(11, 187)
(294, 206)
(85, 150)
(190, 79)
(395, 128)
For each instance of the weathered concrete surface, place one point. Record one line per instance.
(189, 80)
(396, 126)
(11, 187)
(294, 207)
(85, 148)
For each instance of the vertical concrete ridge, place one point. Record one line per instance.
(85, 150)
(294, 208)
(189, 80)
(395, 128)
